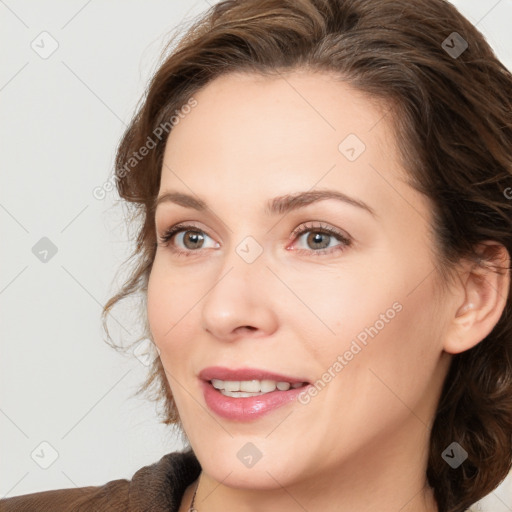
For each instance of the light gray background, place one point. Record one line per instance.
(61, 118)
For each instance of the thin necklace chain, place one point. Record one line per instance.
(191, 508)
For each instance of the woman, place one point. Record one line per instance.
(325, 247)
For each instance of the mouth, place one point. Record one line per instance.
(247, 394)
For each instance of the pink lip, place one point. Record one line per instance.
(245, 408)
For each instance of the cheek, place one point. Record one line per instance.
(400, 360)
(339, 306)
(166, 297)
(385, 321)
(173, 305)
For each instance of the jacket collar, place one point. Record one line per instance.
(160, 486)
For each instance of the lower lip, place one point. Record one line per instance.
(247, 408)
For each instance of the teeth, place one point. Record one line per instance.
(238, 394)
(251, 387)
(232, 385)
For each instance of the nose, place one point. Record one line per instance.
(239, 302)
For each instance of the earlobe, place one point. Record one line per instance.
(485, 291)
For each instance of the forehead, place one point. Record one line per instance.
(278, 113)
(255, 133)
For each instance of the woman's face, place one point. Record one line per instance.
(338, 293)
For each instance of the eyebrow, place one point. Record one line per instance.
(275, 206)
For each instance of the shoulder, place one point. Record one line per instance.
(157, 487)
(110, 496)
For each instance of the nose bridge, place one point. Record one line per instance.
(244, 264)
(238, 297)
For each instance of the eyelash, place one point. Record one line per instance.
(323, 229)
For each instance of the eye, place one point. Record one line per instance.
(318, 242)
(191, 236)
(320, 239)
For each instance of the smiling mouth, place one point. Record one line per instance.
(248, 394)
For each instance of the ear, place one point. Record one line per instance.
(484, 286)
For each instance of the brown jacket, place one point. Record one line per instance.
(155, 488)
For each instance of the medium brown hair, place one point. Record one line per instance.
(452, 116)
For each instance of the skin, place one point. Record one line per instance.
(362, 442)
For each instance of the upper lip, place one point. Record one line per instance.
(240, 374)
